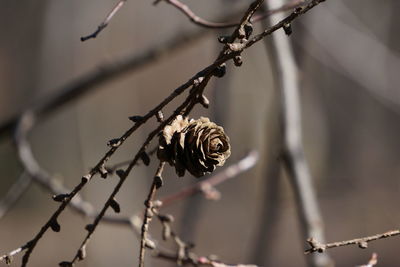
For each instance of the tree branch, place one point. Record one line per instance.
(316, 246)
(105, 22)
(293, 152)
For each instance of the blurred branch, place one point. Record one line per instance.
(316, 246)
(218, 25)
(17, 189)
(105, 73)
(372, 262)
(228, 173)
(293, 152)
(105, 22)
(380, 79)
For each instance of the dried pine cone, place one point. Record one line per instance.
(196, 145)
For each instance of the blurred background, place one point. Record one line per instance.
(348, 54)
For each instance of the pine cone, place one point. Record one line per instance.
(196, 145)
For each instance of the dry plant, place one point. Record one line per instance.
(197, 146)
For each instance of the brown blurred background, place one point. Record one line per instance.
(348, 54)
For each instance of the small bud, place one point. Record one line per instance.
(238, 61)
(166, 231)
(150, 244)
(158, 181)
(363, 244)
(86, 178)
(220, 71)
(298, 10)
(89, 227)
(223, 39)
(160, 116)
(115, 206)
(166, 218)
(8, 259)
(157, 203)
(116, 142)
(103, 171)
(145, 158)
(82, 253)
(65, 264)
(204, 101)
(136, 118)
(60, 197)
(55, 226)
(248, 28)
(235, 47)
(287, 27)
(241, 32)
(120, 173)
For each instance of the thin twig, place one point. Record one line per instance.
(316, 246)
(105, 22)
(372, 262)
(293, 152)
(148, 212)
(228, 173)
(14, 193)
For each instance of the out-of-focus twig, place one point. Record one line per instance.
(230, 172)
(105, 73)
(372, 262)
(293, 152)
(14, 193)
(105, 22)
(380, 79)
(317, 246)
(219, 25)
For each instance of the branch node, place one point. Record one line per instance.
(120, 173)
(220, 71)
(158, 180)
(136, 118)
(114, 143)
(103, 171)
(55, 226)
(82, 253)
(115, 205)
(363, 244)
(287, 27)
(65, 264)
(86, 178)
(145, 158)
(238, 61)
(89, 227)
(160, 116)
(60, 197)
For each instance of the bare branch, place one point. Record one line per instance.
(157, 183)
(372, 262)
(316, 246)
(105, 73)
(230, 172)
(105, 22)
(293, 152)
